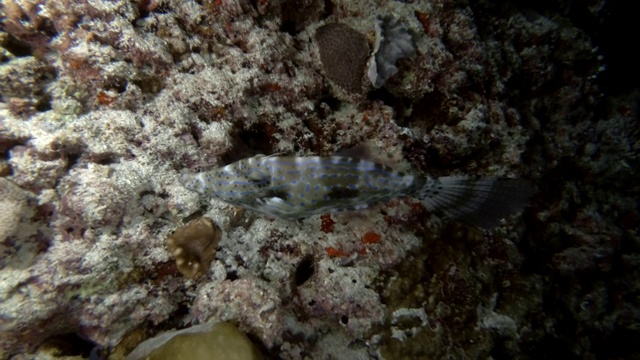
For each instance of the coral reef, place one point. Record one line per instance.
(104, 104)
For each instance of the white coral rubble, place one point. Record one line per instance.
(393, 42)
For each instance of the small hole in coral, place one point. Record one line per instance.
(104, 159)
(196, 133)
(328, 9)
(304, 271)
(232, 275)
(71, 345)
(289, 26)
(149, 85)
(344, 319)
(311, 303)
(119, 85)
(146, 193)
(47, 27)
(17, 47)
(72, 160)
(44, 104)
(333, 103)
(258, 137)
(239, 260)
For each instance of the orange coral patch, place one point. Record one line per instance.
(105, 99)
(371, 238)
(422, 18)
(333, 252)
(274, 87)
(327, 223)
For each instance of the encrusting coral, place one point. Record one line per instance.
(194, 246)
(209, 341)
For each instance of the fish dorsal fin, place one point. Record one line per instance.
(363, 151)
(276, 154)
(368, 151)
(268, 156)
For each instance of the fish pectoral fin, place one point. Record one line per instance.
(276, 154)
(272, 201)
(257, 177)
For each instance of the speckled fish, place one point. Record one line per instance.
(297, 186)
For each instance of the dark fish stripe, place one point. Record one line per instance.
(348, 164)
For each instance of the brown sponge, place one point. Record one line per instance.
(344, 53)
(194, 246)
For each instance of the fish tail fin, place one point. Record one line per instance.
(476, 201)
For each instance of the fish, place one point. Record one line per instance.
(294, 187)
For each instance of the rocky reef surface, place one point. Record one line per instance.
(103, 104)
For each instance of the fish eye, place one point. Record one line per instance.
(255, 176)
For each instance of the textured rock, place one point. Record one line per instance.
(13, 203)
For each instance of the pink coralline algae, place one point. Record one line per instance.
(104, 105)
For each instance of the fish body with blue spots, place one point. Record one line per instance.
(296, 187)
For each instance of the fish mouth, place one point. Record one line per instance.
(192, 182)
(185, 178)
